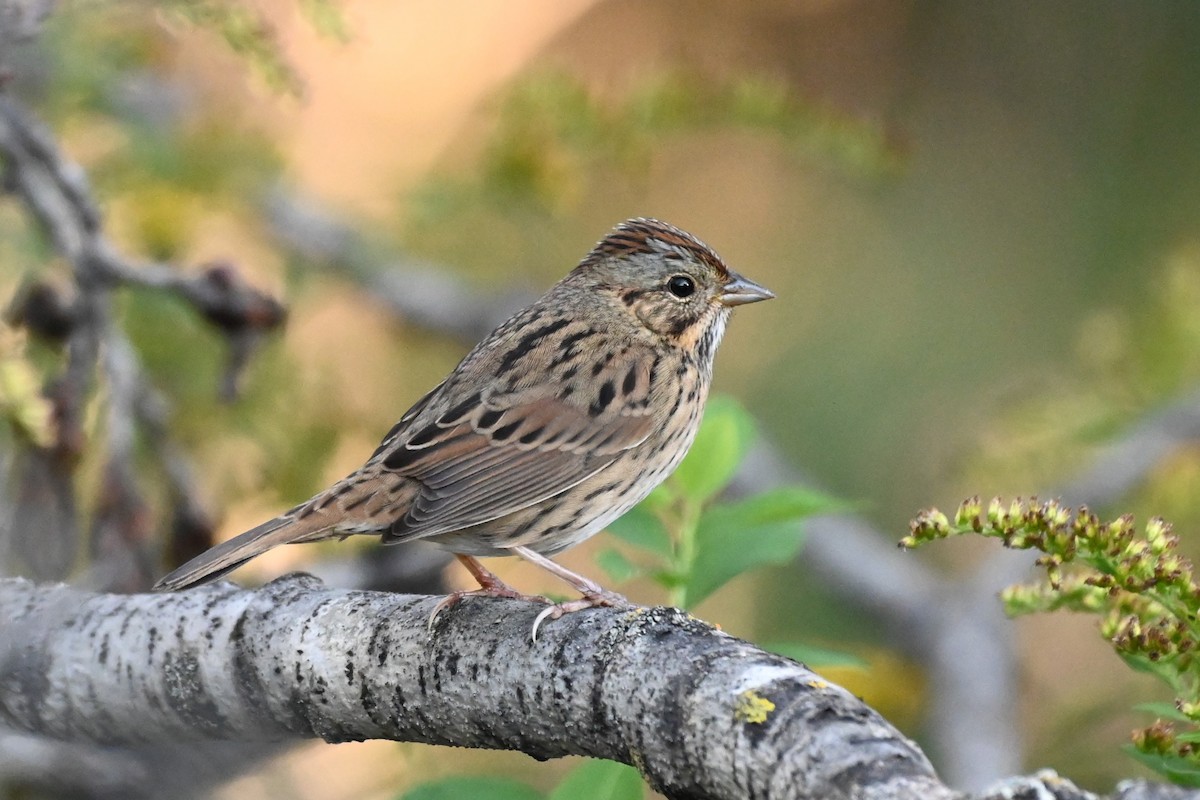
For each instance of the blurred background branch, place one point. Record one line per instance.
(57, 194)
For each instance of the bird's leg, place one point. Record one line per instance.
(490, 585)
(585, 586)
(488, 581)
(593, 594)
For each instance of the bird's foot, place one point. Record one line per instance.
(503, 590)
(490, 585)
(599, 599)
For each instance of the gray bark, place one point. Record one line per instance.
(700, 713)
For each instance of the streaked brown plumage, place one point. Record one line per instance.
(561, 420)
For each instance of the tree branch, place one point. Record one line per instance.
(700, 713)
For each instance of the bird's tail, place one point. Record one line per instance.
(231, 554)
(362, 502)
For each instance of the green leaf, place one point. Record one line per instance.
(787, 503)
(642, 528)
(1164, 710)
(474, 788)
(667, 578)
(600, 780)
(733, 538)
(618, 567)
(1163, 670)
(814, 656)
(1181, 771)
(326, 17)
(725, 434)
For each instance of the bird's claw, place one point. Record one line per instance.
(598, 599)
(500, 590)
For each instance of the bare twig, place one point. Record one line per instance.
(56, 192)
(1123, 463)
(423, 294)
(42, 522)
(20, 20)
(122, 525)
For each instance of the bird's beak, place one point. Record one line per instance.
(739, 291)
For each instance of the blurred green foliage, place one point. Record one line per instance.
(22, 405)
(691, 543)
(592, 780)
(165, 156)
(1127, 362)
(249, 33)
(552, 138)
(490, 788)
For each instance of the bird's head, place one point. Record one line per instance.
(667, 279)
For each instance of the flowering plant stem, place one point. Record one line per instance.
(1142, 589)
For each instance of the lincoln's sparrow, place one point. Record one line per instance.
(559, 422)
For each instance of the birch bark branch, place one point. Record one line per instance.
(700, 713)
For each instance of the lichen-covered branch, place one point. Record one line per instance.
(700, 713)
(703, 715)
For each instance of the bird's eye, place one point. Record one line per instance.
(681, 286)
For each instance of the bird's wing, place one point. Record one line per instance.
(398, 429)
(494, 454)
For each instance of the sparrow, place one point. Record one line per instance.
(561, 420)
